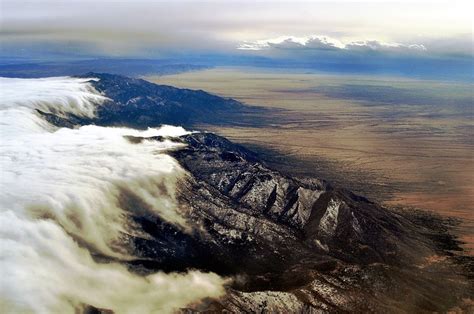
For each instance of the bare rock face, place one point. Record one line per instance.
(325, 219)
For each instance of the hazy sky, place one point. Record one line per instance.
(146, 27)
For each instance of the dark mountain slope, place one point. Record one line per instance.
(138, 103)
(294, 244)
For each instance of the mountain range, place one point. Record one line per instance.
(290, 244)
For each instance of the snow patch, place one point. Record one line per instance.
(328, 223)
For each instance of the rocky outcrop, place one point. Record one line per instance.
(290, 244)
(329, 220)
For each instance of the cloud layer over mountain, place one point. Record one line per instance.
(62, 203)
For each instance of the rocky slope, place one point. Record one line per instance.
(294, 245)
(288, 244)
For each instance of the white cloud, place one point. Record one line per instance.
(383, 46)
(64, 186)
(43, 270)
(319, 42)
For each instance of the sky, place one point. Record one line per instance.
(272, 29)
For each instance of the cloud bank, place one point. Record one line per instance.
(320, 42)
(61, 202)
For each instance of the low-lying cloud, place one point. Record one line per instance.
(61, 201)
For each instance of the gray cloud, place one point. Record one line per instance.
(154, 27)
(382, 46)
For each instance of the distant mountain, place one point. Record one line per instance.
(139, 103)
(129, 67)
(292, 245)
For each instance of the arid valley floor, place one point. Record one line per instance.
(403, 142)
